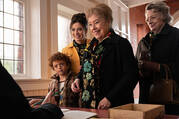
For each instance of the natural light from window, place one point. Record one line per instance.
(12, 35)
(64, 37)
(177, 24)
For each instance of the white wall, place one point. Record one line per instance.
(41, 37)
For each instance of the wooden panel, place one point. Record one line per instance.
(39, 92)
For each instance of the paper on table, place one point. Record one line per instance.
(76, 114)
(65, 110)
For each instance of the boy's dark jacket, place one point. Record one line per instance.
(70, 99)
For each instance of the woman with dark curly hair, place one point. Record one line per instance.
(75, 50)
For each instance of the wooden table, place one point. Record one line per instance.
(105, 113)
(171, 117)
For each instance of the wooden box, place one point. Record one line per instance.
(137, 111)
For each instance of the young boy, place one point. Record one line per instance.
(60, 85)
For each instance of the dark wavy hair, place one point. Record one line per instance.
(79, 18)
(59, 56)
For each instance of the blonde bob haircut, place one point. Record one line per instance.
(103, 11)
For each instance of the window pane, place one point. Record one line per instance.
(124, 35)
(1, 35)
(2, 61)
(19, 67)
(8, 20)
(1, 5)
(8, 6)
(12, 35)
(8, 51)
(18, 51)
(18, 23)
(64, 37)
(18, 8)
(1, 19)
(18, 37)
(9, 66)
(8, 36)
(1, 51)
(177, 24)
(21, 25)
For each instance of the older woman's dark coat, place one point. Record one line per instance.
(118, 70)
(164, 50)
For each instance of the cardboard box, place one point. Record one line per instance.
(137, 111)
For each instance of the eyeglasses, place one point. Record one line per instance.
(152, 17)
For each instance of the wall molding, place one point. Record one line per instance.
(33, 84)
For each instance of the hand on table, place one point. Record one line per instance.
(35, 103)
(104, 104)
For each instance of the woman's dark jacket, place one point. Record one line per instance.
(164, 50)
(70, 99)
(118, 71)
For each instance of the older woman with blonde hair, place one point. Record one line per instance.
(109, 71)
(159, 48)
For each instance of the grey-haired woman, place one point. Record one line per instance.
(160, 46)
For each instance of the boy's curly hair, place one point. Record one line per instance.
(59, 56)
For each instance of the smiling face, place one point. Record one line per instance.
(154, 20)
(98, 27)
(78, 32)
(60, 67)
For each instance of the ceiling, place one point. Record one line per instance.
(134, 3)
(84, 4)
(128, 3)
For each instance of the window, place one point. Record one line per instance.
(177, 24)
(12, 35)
(120, 18)
(64, 37)
(64, 18)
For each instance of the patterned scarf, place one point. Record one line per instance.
(80, 49)
(91, 67)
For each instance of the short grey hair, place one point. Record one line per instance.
(162, 8)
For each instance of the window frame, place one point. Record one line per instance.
(14, 45)
(29, 68)
(121, 22)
